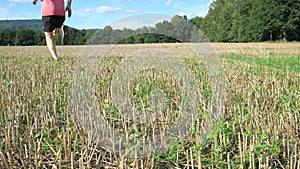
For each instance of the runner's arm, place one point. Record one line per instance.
(68, 8)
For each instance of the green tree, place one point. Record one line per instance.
(290, 19)
(164, 28)
(151, 38)
(210, 22)
(256, 25)
(116, 36)
(88, 35)
(7, 37)
(39, 38)
(197, 21)
(182, 28)
(25, 37)
(271, 18)
(128, 40)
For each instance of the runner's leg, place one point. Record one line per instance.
(51, 45)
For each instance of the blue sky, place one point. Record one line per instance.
(98, 13)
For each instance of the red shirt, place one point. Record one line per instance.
(53, 7)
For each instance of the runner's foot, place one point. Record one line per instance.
(55, 58)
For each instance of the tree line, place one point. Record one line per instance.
(179, 29)
(29, 37)
(251, 21)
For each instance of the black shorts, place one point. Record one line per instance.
(52, 22)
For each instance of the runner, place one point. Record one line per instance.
(53, 17)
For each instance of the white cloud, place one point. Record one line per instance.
(104, 9)
(131, 11)
(88, 10)
(168, 2)
(174, 4)
(20, 0)
(177, 4)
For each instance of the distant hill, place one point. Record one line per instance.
(35, 24)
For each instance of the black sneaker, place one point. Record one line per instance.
(64, 34)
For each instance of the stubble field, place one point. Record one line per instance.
(259, 126)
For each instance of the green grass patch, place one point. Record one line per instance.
(283, 63)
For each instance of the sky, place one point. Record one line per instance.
(117, 13)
